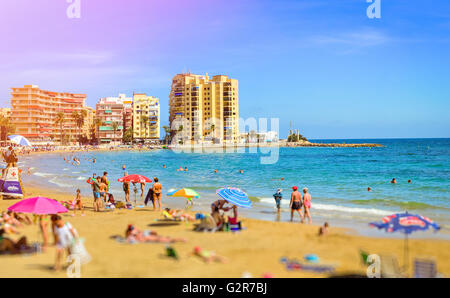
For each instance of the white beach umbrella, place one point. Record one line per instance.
(19, 140)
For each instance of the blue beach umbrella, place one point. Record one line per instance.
(234, 196)
(19, 140)
(405, 223)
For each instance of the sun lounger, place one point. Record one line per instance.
(425, 268)
(389, 267)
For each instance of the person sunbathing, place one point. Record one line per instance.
(208, 256)
(177, 215)
(133, 235)
(9, 246)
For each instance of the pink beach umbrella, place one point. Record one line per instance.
(38, 205)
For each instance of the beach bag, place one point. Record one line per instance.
(78, 249)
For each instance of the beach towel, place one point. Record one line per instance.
(149, 196)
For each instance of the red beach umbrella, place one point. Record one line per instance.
(135, 178)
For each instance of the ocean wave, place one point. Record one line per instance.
(43, 174)
(404, 205)
(331, 207)
(59, 183)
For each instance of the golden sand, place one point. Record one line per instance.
(256, 250)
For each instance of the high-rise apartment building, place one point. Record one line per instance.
(204, 109)
(146, 119)
(110, 110)
(35, 112)
(88, 122)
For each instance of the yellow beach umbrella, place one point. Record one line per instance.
(185, 193)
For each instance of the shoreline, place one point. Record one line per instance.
(257, 249)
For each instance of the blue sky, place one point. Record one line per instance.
(322, 64)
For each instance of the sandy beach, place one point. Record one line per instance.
(256, 250)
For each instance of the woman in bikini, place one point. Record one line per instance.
(77, 204)
(307, 204)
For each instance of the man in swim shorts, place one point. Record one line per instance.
(96, 192)
(157, 188)
(126, 189)
(296, 203)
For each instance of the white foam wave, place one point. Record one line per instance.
(330, 207)
(59, 183)
(43, 174)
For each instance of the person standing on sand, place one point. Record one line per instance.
(106, 182)
(278, 196)
(142, 190)
(307, 204)
(126, 189)
(157, 188)
(296, 203)
(96, 191)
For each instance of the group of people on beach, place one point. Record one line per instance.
(296, 203)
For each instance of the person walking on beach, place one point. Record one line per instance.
(296, 203)
(126, 189)
(157, 188)
(278, 196)
(307, 204)
(64, 234)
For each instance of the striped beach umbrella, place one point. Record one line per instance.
(405, 223)
(234, 196)
(185, 193)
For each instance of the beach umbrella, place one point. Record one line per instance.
(38, 205)
(234, 196)
(185, 193)
(19, 140)
(405, 223)
(135, 178)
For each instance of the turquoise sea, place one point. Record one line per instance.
(337, 178)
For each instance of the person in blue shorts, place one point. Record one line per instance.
(278, 196)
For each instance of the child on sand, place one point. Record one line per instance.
(77, 204)
(324, 229)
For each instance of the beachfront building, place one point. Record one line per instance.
(110, 111)
(253, 137)
(88, 122)
(146, 120)
(45, 116)
(204, 109)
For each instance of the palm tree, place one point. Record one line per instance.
(79, 121)
(60, 119)
(144, 119)
(8, 126)
(115, 126)
(167, 136)
(97, 123)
